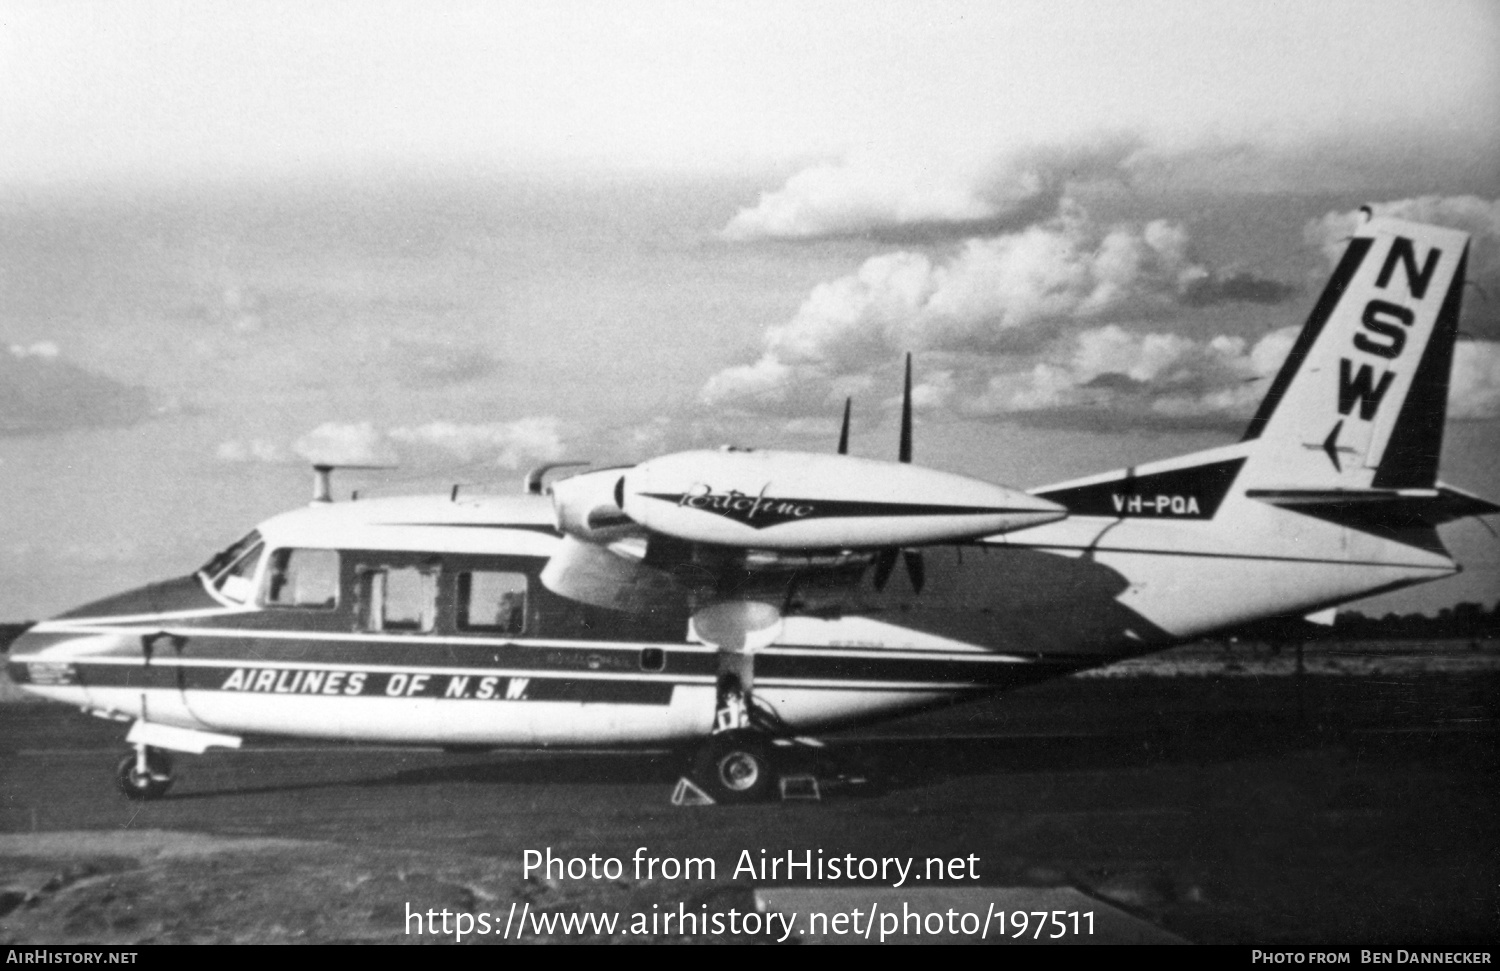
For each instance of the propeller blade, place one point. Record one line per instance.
(884, 564)
(905, 453)
(844, 431)
(790, 597)
(916, 569)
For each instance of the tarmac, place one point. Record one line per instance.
(1337, 808)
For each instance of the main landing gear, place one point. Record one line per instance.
(752, 755)
(145, 774)
(734, 764)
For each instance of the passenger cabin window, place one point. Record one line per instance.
(303, 578)
(398, 599)
(490, 602)
(232, 571)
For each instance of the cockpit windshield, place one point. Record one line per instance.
(232, 570)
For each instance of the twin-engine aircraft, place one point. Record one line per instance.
(727, 598)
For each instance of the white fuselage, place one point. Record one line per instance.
(1008, 611)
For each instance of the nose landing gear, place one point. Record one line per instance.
(145, 774)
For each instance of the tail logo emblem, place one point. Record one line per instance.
(1331, 446)
(1383, 335)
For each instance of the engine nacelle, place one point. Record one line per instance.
(802, 501)
(587, 506)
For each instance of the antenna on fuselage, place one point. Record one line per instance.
(322, 483)
(323, 478)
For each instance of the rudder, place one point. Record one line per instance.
(1361, 400)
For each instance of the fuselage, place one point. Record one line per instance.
(423, 620)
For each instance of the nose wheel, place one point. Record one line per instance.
(145, 774)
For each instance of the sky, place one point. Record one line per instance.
(466, 238)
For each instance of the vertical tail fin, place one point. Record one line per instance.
(1361, 400)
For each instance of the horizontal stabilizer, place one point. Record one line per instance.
(1386, 509)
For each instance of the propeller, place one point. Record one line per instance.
(885, 562)
(916, 569)
(885, 565)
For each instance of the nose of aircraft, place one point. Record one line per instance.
(181, 593)
(50, 658)
(22, 644)
(37, 662)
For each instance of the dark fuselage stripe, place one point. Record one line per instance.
(663, 659)
(314, 676)
(1200, 554)
(308, 682)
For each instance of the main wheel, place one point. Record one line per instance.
(151, 784)
(735, 766)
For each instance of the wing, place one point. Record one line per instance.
(706, 527)
(734, 534)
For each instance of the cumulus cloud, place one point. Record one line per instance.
(1240, 286)
(508, 445)
(1469, 213)
(988, 294)
(338, 443)
(40, 393)
(1112, 377)
(1002, 295)
(1474, 391)
(1476, 216)
(46, 350)
(1040, 326)
(906, 200)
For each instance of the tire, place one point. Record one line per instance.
(735, 767)
(153, 783)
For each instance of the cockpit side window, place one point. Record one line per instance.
(303, 578)
(232, 571)
(226, 557)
